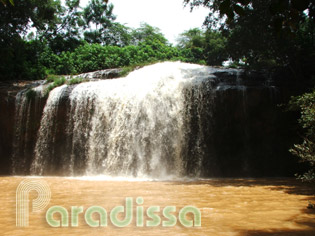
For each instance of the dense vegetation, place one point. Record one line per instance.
(43, 37)
(266, 33)
(306, 150)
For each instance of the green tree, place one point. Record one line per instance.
(118, 35)
(146, 34)
(266, 33)
(192, 45)
(306, 151)
(18, 60)
(65, 34)
(205, 47)
(17, 19)
(215, 48)
(100, 14)
(284, 13)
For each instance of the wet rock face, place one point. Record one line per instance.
(252, 135)
(8, 91)
(235, 128)
(6, 127)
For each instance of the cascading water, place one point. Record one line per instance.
(168, 119)
(27, 111)
(132, 126)
(44, 149)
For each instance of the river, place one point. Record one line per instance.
(227, 206)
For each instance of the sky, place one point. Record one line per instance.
(169, 16)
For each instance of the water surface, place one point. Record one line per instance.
(228, 206)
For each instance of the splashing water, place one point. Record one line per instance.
(133, 126)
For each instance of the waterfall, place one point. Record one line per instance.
(165, 120)
(47, 134)
(133, 126)
(27, 111)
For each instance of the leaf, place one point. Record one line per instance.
(300, 5)
(239, 10)
(12, 2)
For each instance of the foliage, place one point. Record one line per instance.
(91, 57)
(51, 78)
(99, 13)
(118, 35)
(76, 80)
(58, 81)
(203, 47)
(282, 13)
(20, 59)
(16, 19)
(65, 33)
(72, 40)
(146, 34)
(266, 33)
(306, 151)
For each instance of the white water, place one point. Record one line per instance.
(46, 133)
(132, 126)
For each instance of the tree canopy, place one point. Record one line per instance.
(40, 37)
(266, 33)
(282, 13)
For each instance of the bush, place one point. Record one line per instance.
(58, 81)
(306, 151)
(76, 80)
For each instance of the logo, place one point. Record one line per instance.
(23, 203)
(44, 195)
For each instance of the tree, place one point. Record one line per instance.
(100, 14)
(192, 45)
(205, 47)
(306, 151)
(147, 34)
(15, 21)
(215, 48)
(285, 13)
(65, 34)
(118, 35)
(266, 33)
